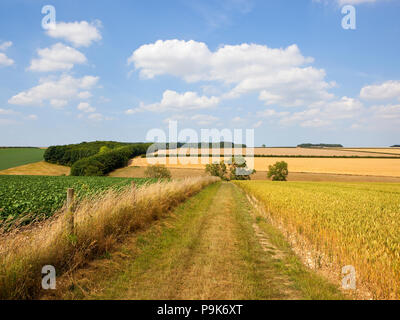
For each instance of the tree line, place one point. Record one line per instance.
(95, 158)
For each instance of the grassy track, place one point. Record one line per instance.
(14, 157)
(212, 247)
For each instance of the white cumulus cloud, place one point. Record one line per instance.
(97, 117)
(174, 101)
(58, 57)
(86, 107)
(278, 75)
(384, 91)
(5, 45)
(58, 92)
(324, 114)
(4, 60)
(80, 34)
(84, 95)
(32, 117)
(388, 112)
(347, 2)
(7, 112)
(344, 2)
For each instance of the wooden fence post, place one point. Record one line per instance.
(70, 211)
(133, 184)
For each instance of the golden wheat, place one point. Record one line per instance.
(350, 223)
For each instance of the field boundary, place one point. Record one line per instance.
(392, 156)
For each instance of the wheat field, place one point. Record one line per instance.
(349, 223)
(324, 152)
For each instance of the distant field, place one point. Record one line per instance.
(323, 152)
(14, 157)
(40, 197)
(363, 167)
(139, 172)
(351, 223)
(38, 169)
(376, 150)
(176, 173)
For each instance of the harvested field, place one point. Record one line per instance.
(363, 167)
(138, 172)
(376, 150)
(37, 169)
(323, 152)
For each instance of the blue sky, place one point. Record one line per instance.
(113, 70)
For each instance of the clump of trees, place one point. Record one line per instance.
(94, 158)
(320, 145)
(217, 170)
(279, 171)
(105, 162)
(157, 172)
(67, 155)
(234, 169)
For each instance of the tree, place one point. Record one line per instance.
(279, 171)
(263, 145)
(234, 169)
(104, 149)
(239, 170)
(157, 172)
(217, 170)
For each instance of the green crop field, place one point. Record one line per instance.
(14, 157)
(40, 197)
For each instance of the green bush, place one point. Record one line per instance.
(279, 171)
(157, 172)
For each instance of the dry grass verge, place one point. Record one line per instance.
(99, 224)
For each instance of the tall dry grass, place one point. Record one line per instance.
(99, 224)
